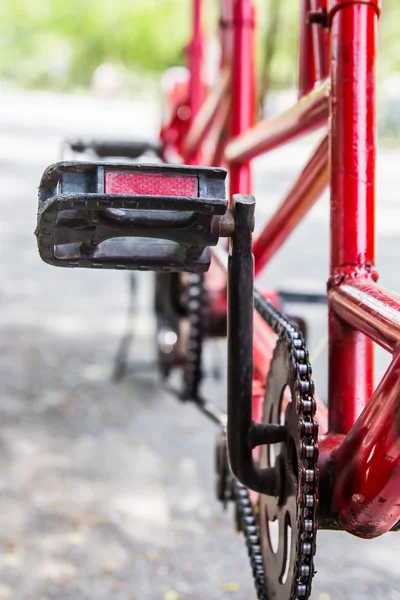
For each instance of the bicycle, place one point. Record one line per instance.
(272, 460)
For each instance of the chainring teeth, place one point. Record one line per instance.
(299, 379)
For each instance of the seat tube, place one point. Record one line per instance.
(243, 88)
(353, 157)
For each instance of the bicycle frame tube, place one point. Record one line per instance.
(366, 465)
(369, 308)
(309, 114)
(206, 115)
(353, 148)
(321, 42)
(196, 62)
(243, 92)
(360, 456)
(214, 146)
(225, 32)
(307, 66)
(300, 199)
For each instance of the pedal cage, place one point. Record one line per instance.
(136, 217)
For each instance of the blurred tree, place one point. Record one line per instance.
(269, 47)
(389, 38)
(41, 35)
(59, 44)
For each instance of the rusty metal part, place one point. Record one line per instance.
(226, 224)
(318, 17)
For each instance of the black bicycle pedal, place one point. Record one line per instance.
(137, 217)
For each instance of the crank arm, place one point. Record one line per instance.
(243, 433)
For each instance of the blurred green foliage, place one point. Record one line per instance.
(59, 43)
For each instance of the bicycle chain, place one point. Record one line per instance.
(308, 426)
(249, 526)
(308, 474)
(196, 303)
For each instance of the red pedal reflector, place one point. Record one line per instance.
(150, 184)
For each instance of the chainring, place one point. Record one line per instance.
(288, 523)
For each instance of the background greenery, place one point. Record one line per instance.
(59, 43)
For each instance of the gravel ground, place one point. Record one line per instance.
(107, 489)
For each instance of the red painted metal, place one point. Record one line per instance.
(321, 43)
(307, 72)
(321, 415)
(353, 136)
(310, 113)
(366, 499)
(363, 466)
(351, 374)
(149, 184)
(352, 150)
(226, 32)
(335, 5)
(369, 308)
(213, 151)
(196, 62)
(264, 342)
(243, 93)
(327, 446)
(206, 116)
(301, 197)
(264, 339)
(175, 112)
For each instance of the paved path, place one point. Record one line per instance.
(106, 491)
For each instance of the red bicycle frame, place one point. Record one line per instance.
(360, 451)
